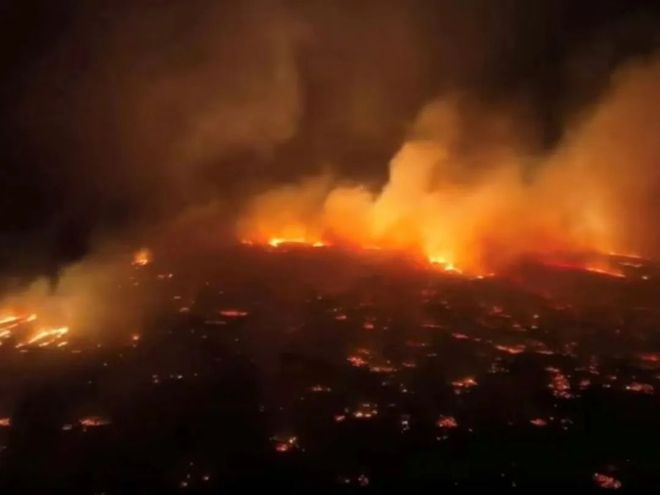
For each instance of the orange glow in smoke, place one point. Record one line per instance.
(142, 257)
(47, 336)
(233, 313)
(600, 267)
(21, 327)
(446, 422)
(283, 241)
(467, 194)
(93, 421)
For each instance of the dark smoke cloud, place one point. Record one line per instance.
(118, 116)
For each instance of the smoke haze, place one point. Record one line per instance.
(474, 132)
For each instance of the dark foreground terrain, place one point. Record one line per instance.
(303, 369)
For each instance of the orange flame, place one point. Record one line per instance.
(142, 257)
(466, 192)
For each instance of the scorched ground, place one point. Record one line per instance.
(318, 368)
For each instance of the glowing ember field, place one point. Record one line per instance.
(342, 370)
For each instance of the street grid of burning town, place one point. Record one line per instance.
(385, 359)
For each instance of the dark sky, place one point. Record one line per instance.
(118, 114)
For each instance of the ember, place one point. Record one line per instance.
(233, 313)
(93, 421)
(511, 349)
(366, 410)
(464, 384)
(357, 361)
(644, 388)
(382, 369)
(320, 389)
(650, 357)
(559, 384)
(607, 482)
(143, 257)
(283, 241)
(447, 422)
(285, 443)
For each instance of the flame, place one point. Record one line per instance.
(447, 422)
(511, 349)
(233, 313)
(606, 482)
(48, 335)
(8, 319)
(600, 267)
(468, 193)
(20, 326)
(285, 443)
(473, 230)
(93, 421)
(443, 263)
(606, 271)
(142, 257)
(90, 296)
(365, 410)
(467, 382)
(45, 337)
(282, 241)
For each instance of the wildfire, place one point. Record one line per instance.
(461, 193)
(464, 384)
(11, 321)
(366, 410)
(282, 241)
(93, 421)
(233, 313)
(642, 388)
(611, 272)
(607, 482)
(599, 267)
(460, 261)
(446, 422)
(142, 257)
(511, 349)
(559, 384)
(357, 361)
(21, 328)
(320, 389)
(8, 320)
(47, 336)
(442, 262)
(285, 443)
